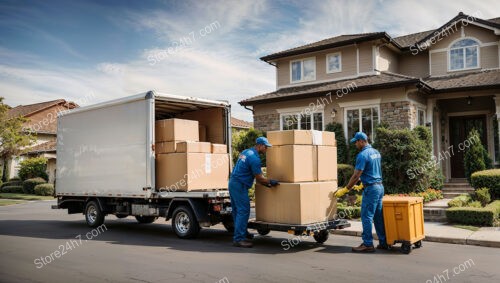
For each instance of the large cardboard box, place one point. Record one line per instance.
(214, 119)
(192, 171)
(202, 147)
(301, 137)
(219, 148)
(302, 163)
(176, 130)
(165, 147)
(296, 203)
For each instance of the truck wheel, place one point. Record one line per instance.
(145, 219)
(321, 236)
(184, 223)
(93, 214)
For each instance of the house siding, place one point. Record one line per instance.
(414, 65)
(387, 60)
(489, 57)
(365, 58)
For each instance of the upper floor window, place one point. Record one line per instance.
(303, 70)
(464, 54)
(333, 63)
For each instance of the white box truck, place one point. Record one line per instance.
(106, 162)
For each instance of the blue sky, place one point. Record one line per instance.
(109, 49)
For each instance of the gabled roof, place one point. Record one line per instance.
(27, 110)
(237, 123)
(49, 146)
(332, 42)
(383, 80)
(403, 43)
(486, 79)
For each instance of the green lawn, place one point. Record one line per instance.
(467, 227)
(4, 202)
(24, 196)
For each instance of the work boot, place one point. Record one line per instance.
(249, 236)
(363, 249)
(243, 244)
(382, 247)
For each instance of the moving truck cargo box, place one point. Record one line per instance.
(176, 130)
(192, 171)
(296, 203)
(203, 133)
(302, 163)
(219, 148)
(301, 137)
(202, 147)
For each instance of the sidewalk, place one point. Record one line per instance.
(442, 233)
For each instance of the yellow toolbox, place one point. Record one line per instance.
(404, 221)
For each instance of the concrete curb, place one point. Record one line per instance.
(447, 240)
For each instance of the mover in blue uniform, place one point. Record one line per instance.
(246, 170)
(369, 170)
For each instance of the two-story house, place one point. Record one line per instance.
(41, 122)
(447, 79)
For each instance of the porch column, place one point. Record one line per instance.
(431, 105)
(497, 102)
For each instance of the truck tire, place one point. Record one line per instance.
(145, 219)
(93, 214)
(184, 223)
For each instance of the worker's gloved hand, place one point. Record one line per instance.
(358, 188)
(273, 183)
(340, 192)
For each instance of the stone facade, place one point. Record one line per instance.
(398, 115)
(267, 122)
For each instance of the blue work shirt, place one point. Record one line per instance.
(369, 161)
(247, 166)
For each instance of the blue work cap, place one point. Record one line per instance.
(264, 141)
(359, 136)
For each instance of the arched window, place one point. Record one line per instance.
(464, 54)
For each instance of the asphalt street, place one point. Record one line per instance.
(39, 244)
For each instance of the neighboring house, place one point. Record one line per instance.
(42, 122)
(447, 79)
(240, 125)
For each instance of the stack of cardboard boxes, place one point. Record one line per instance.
(305, 162)
(183, 163)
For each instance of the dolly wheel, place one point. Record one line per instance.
(263, 231)
(321, 236)
(406, 248)
(418, 245)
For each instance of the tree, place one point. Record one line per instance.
(12, 137)
(476, 157)
(243, 140)
(341, 142)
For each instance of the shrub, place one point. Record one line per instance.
(460, 201)
(407, 163)
(44, 189)
(476, 157)
(33, 168)
(344, 172)
(14, 179)
(348, 212)
(341, 141)
(495, 206)
(475, 204)
(471, 215)
(12, 189)
(483, 196)
(30, 184)
(12, 183)
(487, 179)
(428, 195)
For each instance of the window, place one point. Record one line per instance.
(333, 63)
(464, 54)
(303, 70)
(362, 119)
(420, 117)
(292, 121)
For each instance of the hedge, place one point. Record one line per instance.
(30, 184)
(344, 172)
(474, 216)
(342, 150)
(12, 183)
(348, 212)
(460, 201)
(44, 189)
(12, 189)
(487, 179)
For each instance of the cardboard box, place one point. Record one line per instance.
(296, 203)
(301, 137)
(202, 147)
(219, 148)
(203, 133)
(176, 130)
(192, 171)
(214, 119)
(165, 147)
(302, 163)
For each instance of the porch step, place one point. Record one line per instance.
(435, 211)
(451, 195)
(454, 189)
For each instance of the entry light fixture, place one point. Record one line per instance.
(469, 100)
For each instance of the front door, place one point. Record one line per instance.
(459, 131)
